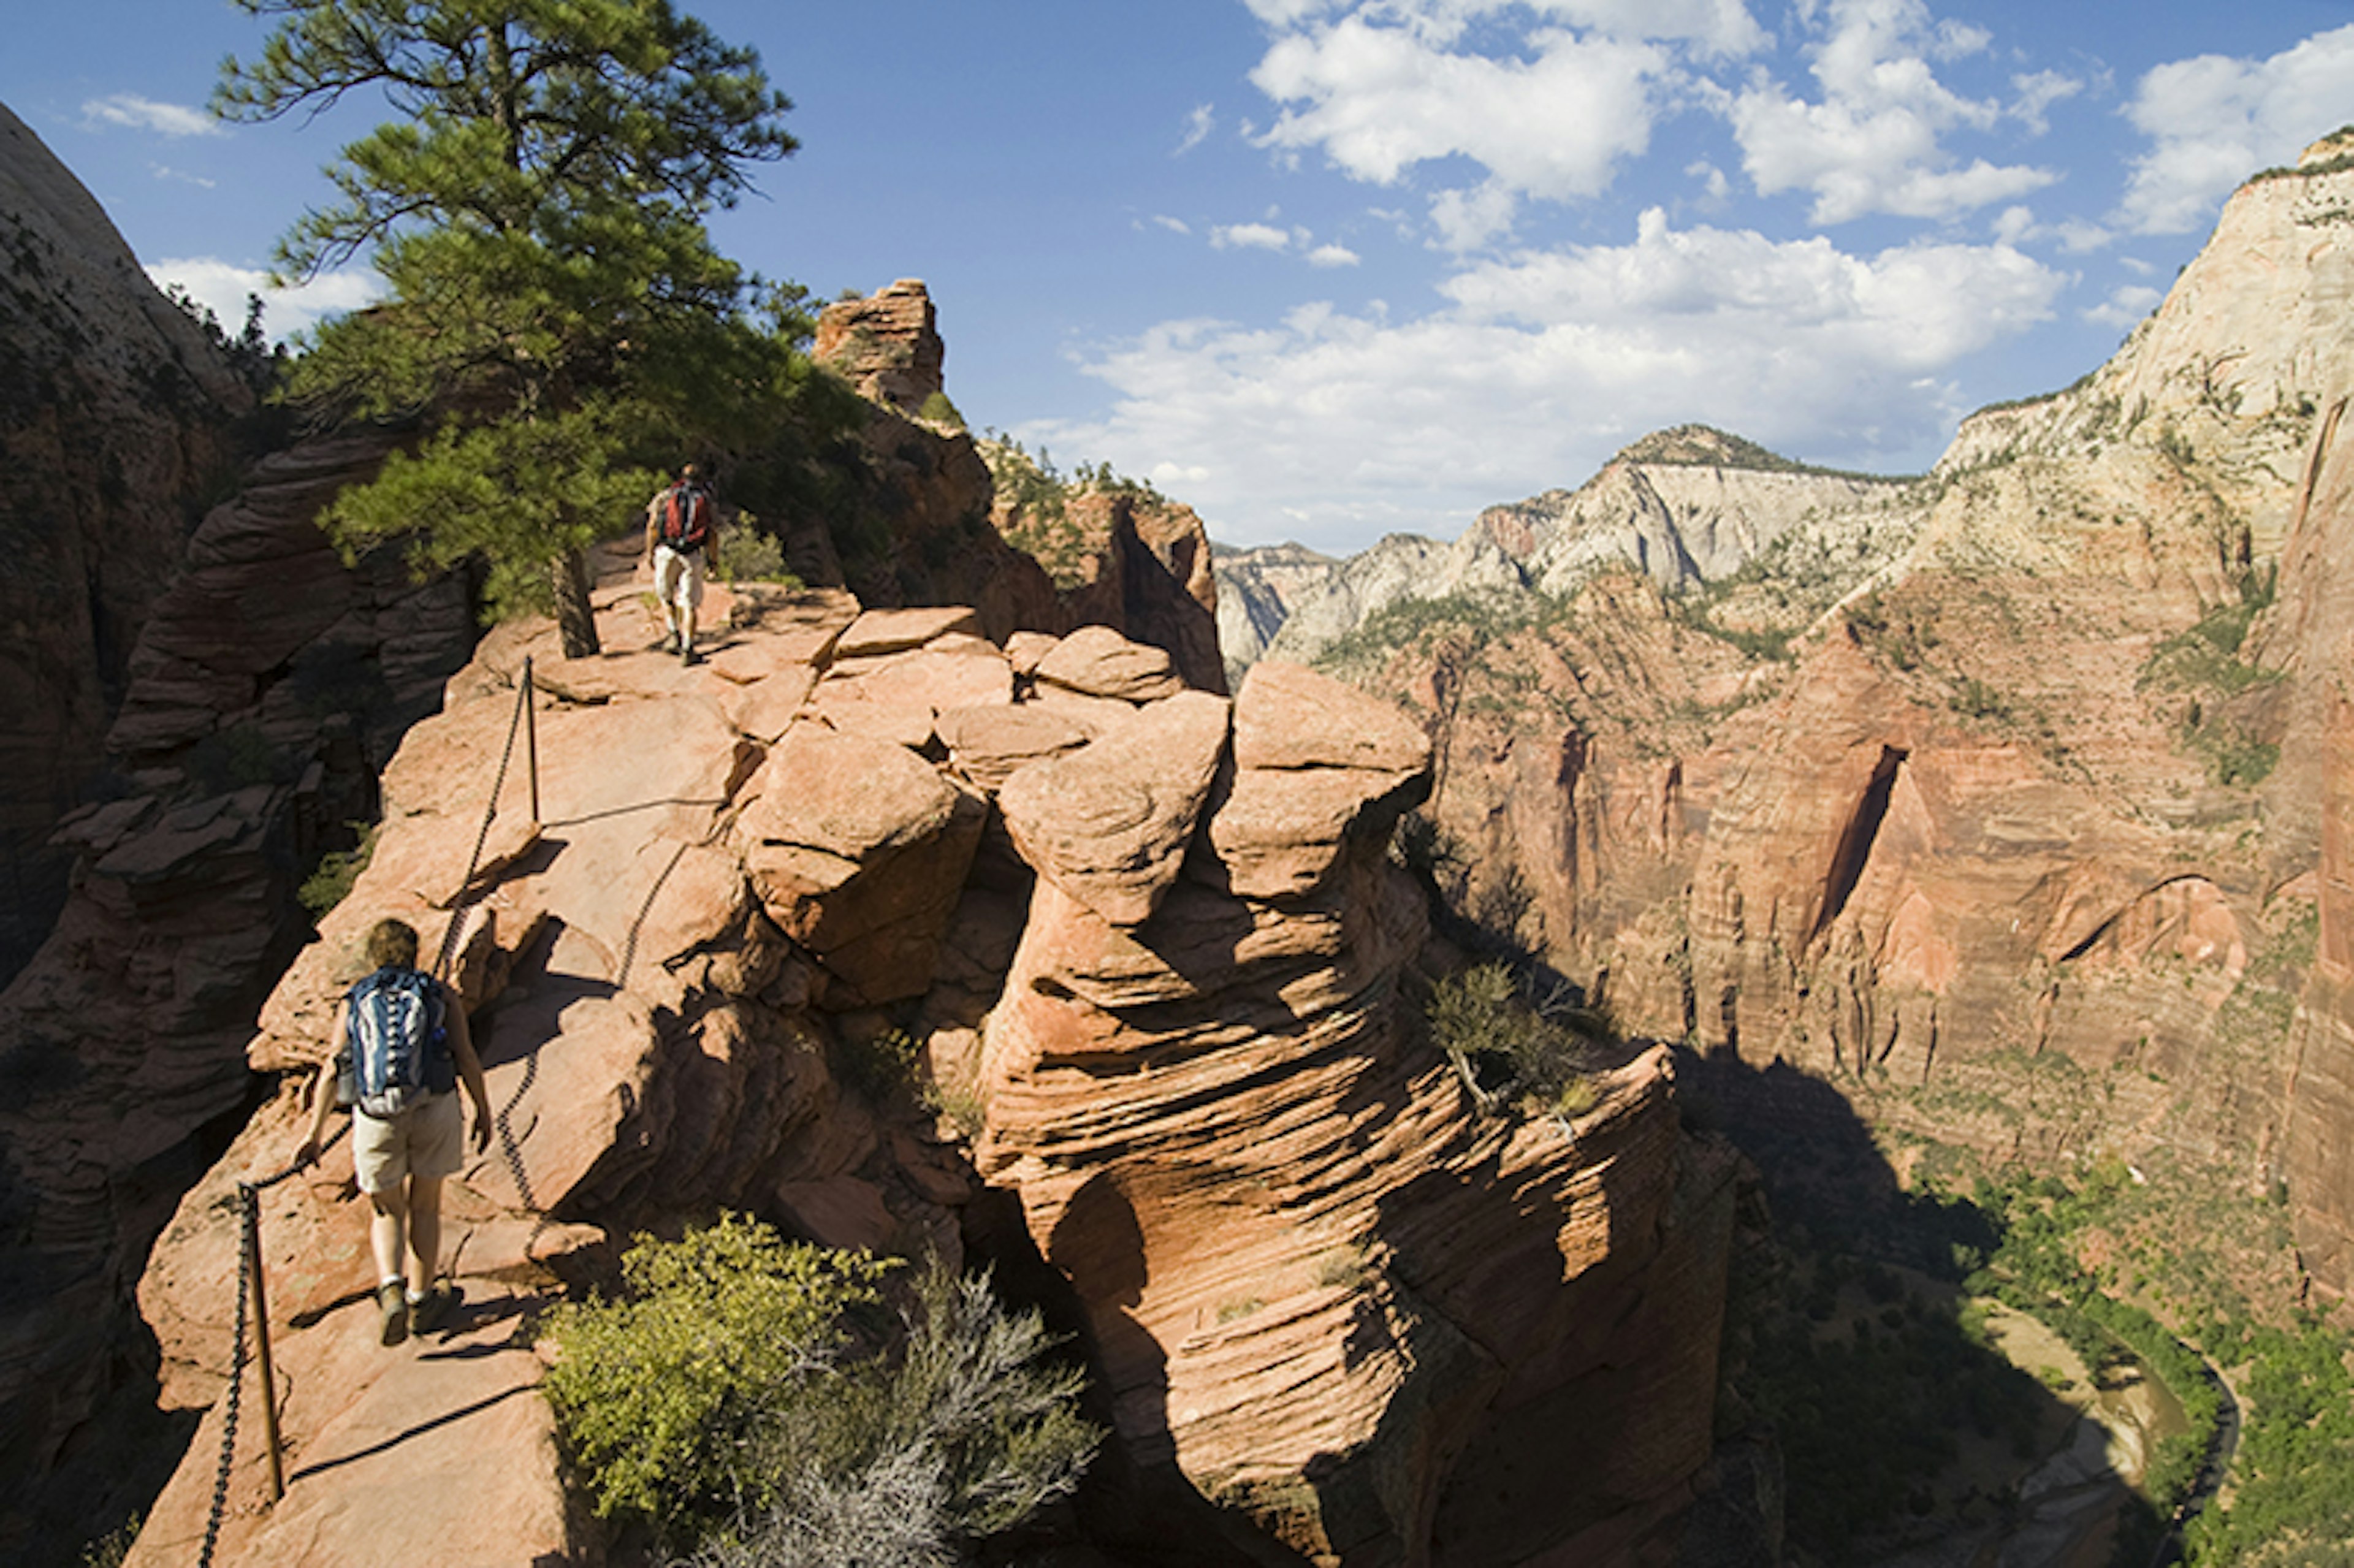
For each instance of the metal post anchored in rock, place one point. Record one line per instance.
(531, 738)
(249, 1196)
(249, 1290)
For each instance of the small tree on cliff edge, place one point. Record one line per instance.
(556, 308)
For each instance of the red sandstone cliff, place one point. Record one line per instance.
(269, 686)
(1999, 803)
(1153, 933)
(1046, 557)
(115, 422)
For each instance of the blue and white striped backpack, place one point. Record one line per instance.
(395, 1048)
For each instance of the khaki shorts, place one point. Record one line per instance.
(678, 578)
(427, 1139)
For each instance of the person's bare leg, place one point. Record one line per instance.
(388, 1232)
(425, 1231)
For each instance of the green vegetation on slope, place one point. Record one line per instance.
(1034, 496)
(1511, 1049)
(746, 1401)
(2206, 662)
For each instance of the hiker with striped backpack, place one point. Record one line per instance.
(402, 1049)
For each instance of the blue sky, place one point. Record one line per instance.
(1327, 268)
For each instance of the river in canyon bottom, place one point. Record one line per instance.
(2070, 1503)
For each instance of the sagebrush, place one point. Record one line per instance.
(747, 1401)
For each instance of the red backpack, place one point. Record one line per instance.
(686, 517)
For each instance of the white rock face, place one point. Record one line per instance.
(1686, 508)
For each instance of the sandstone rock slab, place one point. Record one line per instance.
(1110, 823)
(858, 849)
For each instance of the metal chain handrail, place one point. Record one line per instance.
(245, 1210)
(248, 1197)
(468, 896)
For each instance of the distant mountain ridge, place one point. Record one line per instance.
(2041, 763)
(1686, 506)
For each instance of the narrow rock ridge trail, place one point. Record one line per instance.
(1152, 949)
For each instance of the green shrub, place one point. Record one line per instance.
(1508, 1049)
(748, 556)
(962, 1432)
(936, 410)
(330, 882)
(739, 1401)
(663, 1394)
(109, 1549)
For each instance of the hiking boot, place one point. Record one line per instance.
(431, 1310)
(669, 642)
(688, 656)
(392, 1300)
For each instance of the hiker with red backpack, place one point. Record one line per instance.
(402, 1049)
(681, 535)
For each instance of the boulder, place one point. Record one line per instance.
(857, 848)
(1110, 823)
(1100, 663)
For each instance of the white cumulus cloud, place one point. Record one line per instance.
(1332, 427)
(1875, 141)
(2125, 306)
(1379, 100)
(130, 109)
(1250, 237)
(223, 287)
(1713, 27)
(2213, 120)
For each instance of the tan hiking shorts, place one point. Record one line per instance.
(425, 1139)
(678, 578)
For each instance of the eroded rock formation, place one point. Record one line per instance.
(1999, 799)
(887, 344)
(930, 525)
(115, 423)
(269, 686)
(1340, 1316)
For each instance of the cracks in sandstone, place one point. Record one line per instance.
(1856, 839)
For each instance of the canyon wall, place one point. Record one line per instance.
(1163, 976)
(752, 880)
(116, 429)
(2004, 797)
(269, 686)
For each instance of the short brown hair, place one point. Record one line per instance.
(392, 945)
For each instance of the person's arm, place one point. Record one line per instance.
(323, 1094)
(654, 531)
(469, 1065)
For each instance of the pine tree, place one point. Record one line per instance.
(558, 314)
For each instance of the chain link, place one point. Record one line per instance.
(514, 1155)
(249, 1193)
(249, 1208)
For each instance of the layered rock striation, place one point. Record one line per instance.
(116, 418)
(1999, 799)
(269, 686)
(886, 344)
(1148, 937)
